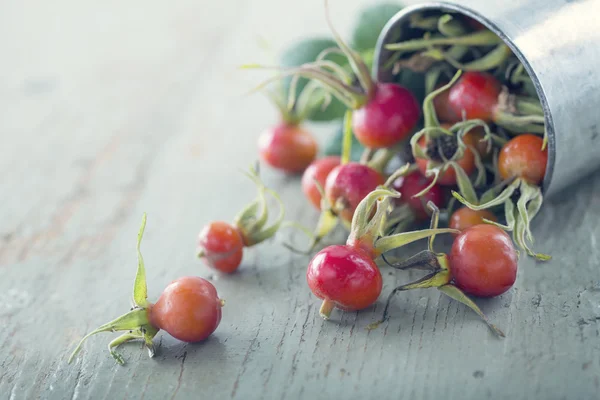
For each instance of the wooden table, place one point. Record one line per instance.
(120, 107)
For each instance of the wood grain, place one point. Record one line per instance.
(117, 108)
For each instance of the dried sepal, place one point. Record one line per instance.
(456, 294)
(440, 277)
(493, 59)
(464, 183)
(136, 320)
(252, 220)
(449, 26)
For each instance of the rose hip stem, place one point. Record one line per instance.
(287, 146)
(478, 38)
(440, 277)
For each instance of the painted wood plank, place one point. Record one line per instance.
(124, 107)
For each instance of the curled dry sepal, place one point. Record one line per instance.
(522, 165)
(252, 220)
(518, 219)
(443, 151)
(447, 41)
(136, 321)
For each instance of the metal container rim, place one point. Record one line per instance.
(442, 5)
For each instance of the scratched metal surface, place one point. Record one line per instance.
(111, 110)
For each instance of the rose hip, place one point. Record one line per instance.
(287, 147)
(483, 261)
(389, 116)
(464, 218)
(523, 157)
(348, 184)
(412, 184)
(317, 173)
(346, 276)
(189, 309)
(221, 244)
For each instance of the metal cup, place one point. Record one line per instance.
(558, 42)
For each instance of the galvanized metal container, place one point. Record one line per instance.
(558, 41)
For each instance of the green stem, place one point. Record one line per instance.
(425, 23)
(351, 97)
(525, 128)
(335, 68)
(126, 337)
(424, 260)
(388, 243)
(347, 138)
(132, 320)
(313, 96)
(454, 53)
(479, 38)
(358, 66)
(507, 119)
(140, 289)
(456, 294)
(431, 78)
(256, 237)
(449, 26)
(402, 171)
(491, 60)
(429, 115)
(528, 106)
(254, 222)
(363, 226)
(465, 187)
(326, 308)
(366, 155)
(436, 279)
(326, 223)
(498, 200)
(286, 113)
(381, 159)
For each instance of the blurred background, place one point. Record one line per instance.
(112, 109)
(99, 97)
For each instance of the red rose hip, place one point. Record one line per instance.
(464, 218)
(287, 147)
(348, 184)
(388, 117)
(412, 184)
(317, 172)
(223, 246)
(189, 309)
(344, 277)
(483, 261)
(523, 157)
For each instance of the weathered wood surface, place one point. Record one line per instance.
(112, 109)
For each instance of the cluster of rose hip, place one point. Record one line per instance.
(477, 140)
